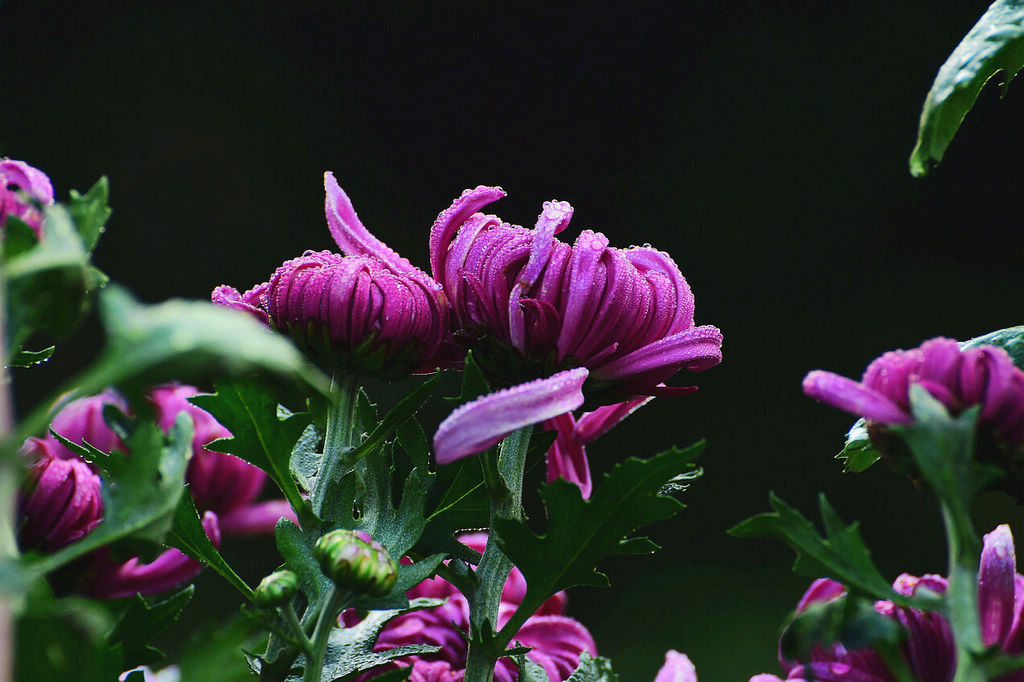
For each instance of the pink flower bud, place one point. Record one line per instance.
(61, 501)
(21, 186)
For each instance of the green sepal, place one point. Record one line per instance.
(259, 435)
(858, 453)
(840, 554)
(593, 669)
(142, 622)
(188, 535)
(582, 532)
(995, 44)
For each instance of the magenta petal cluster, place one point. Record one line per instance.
(369, 310)
(958, 378)
(479, 424)
(929, 648)
(556, 641)
(61, 501)
(21, 186)
(523, 296)
(678, 668)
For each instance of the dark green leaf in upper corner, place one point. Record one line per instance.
(841, 554)
(188, 535)
(590, 669)
(994, 45)
(144, 620)
(259, 435)
(140, 493)
(1010, 339)
(858, 453)
(583, 532)
(91, 212)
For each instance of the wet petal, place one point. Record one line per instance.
(452, 218)
(996, 585)
(677, 668)
(847, 394)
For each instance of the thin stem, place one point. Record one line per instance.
(8, 488)
(325, 624)
(962, 599)
(292, 618)
(341, 419)
(506, 503)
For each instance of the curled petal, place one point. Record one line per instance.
(351, 235)
(593, 425)
(478, 425)
(996, 585)
(229, 297)
(821, 590)
(696, 349)
(567, 458)
(677, 668)
(452, 218)
(855, 398)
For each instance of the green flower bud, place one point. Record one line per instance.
(356, 564)
(276, 589)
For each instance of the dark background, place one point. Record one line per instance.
(763, 144)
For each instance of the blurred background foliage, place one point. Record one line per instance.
(763, 144)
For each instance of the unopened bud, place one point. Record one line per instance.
(276, 589)
(355, 564)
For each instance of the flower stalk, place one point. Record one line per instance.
(507, 503)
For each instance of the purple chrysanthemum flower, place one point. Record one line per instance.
(958, 378)
(62, 503)
(371, 310)
(530, 304)
(18, 179)
(929, 649)
(556, 641)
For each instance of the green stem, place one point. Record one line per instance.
(325, 624)
(962, 597)
(8, 489)
(506, 491)
(341, 419)
(298, 633)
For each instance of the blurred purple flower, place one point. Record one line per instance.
(62, 503)
(479, 424)
(957, 378)
(677, 668)
(556, 640)
(929, 648)
(625, 314)
(370, 310)
(17, 177)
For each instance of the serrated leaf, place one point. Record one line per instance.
(841, 554)
(214, 652)
(414, 442)
(858, 453)
(259, 435)
(529, 671)
(350, 650)
(1010, 339)
(143, 621)
(474, 383)
(296, 548)
(188, 535)
(91, 212)
(28, 358)
(398, 415)
(582, 532)
(306, 455)
(597, 669)
(995, 44)
(140, 491)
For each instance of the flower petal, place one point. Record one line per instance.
(567, 458)
(695, 349)
(996, 585)
(593, 425)
(478, 425)
(847, 394)
(452, 218)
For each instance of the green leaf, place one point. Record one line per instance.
(406, 408)
(296, 548)
(306, 455)
(27, 358)
(841, 554)
(995, 44)
(91, 212)
(18, 238)
(188, 535)
(858, 453)
(140, 492)
(529, 671)
(143, 621)
(1010, 339)
(474, 383)
(350, 650)
(593, 670)
(65, 640)
(48, 284)
(215, 652)
(582, 532)
(259, 436)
